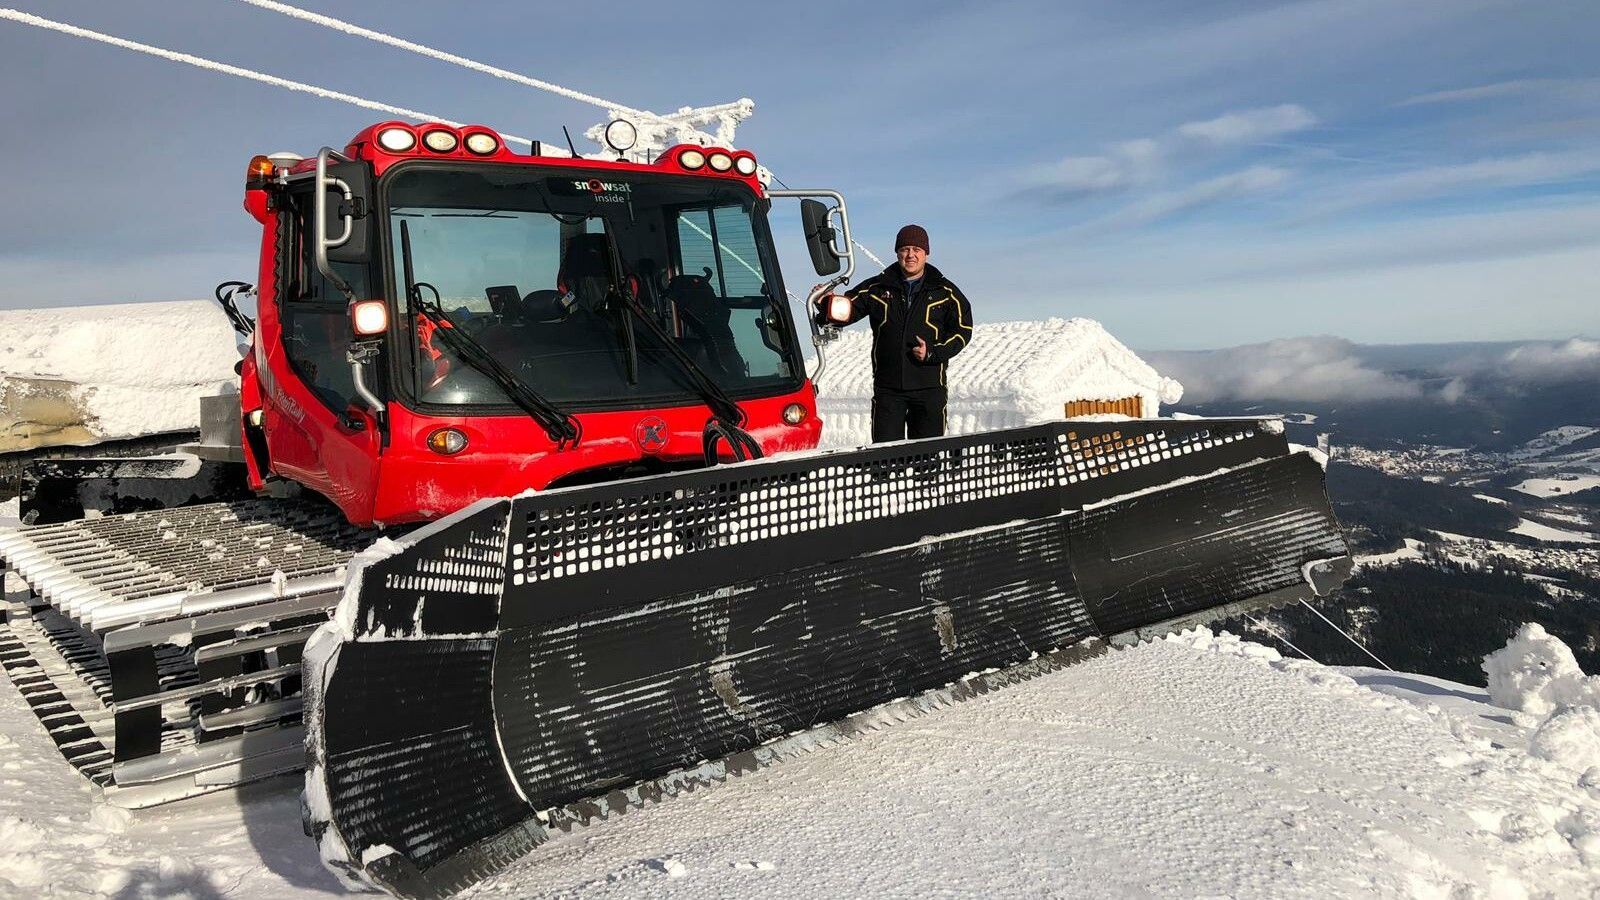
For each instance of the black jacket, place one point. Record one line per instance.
(939, 314)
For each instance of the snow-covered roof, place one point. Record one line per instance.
(1049, 361)
(89, 373)
(1013, 373)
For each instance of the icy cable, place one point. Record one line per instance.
(1346, 635)
(211, 65)
(1277, 633)
(609, 106)
(358, 31)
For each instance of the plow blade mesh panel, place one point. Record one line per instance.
(530, 655)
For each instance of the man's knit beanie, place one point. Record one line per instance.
(912, 236)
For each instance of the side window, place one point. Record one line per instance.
(316, 330)
(735, 316)
(720, 241)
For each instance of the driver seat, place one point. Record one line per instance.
(586, 271)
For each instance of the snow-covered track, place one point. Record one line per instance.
(530, 663)
(161, 649)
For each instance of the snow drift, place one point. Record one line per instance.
(86, 374)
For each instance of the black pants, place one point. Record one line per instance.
(897, 415)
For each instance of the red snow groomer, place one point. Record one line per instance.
(444, 320)
(552, 358)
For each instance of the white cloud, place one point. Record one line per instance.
(1246, 126)
(1124, 166)
(1311, 369)
(1543, 362)
(1570, 87)
(1437, 181)
(1254, 180)
(1146, 161)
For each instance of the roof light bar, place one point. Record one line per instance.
(441, 141)
(396, 140)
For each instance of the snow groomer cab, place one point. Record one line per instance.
(442, 319)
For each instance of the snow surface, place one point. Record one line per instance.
(134, 368)
(1196, 766)
(1012, 374)
(1553, 440)
(1569, 483)
(1542, 532)
(1411, 550)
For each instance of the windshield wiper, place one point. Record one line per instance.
(727, 419)
(561, 427)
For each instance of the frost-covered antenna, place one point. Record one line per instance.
(681, 127)
(656, 133)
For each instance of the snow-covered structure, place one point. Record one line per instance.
(85, 374)
(1013, 374)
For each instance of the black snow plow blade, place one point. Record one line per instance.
(529, 657)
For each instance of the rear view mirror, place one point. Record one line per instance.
(815, 218)
(357, 176)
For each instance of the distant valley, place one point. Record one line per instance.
(1468, 480)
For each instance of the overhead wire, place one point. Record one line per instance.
(360, 31)
(227, 69)
(341, 96)
(355, 30)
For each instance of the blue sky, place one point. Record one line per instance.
(1192, 174)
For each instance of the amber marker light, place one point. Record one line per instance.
(447, 441)
(260, 172)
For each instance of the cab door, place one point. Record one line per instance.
(319, 433)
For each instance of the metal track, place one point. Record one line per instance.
(161, 649)
(15, 463)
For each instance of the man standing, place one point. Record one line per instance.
(920, 320)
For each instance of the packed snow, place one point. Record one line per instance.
(1410, 551)
(1197, 766)
(1553, 440)
(1012, 374)
(1566, 483)
(93, 373)
(1542, 532)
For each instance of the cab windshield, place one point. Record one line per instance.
(534, 263)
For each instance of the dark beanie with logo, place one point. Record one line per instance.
(912, 236)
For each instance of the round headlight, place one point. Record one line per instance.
(396, 140)
(440, 141)
(482, 144)
(794, 414)
(621, 135)
(745, 165)
(447, 441)
(692, 159)
(720, 162)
